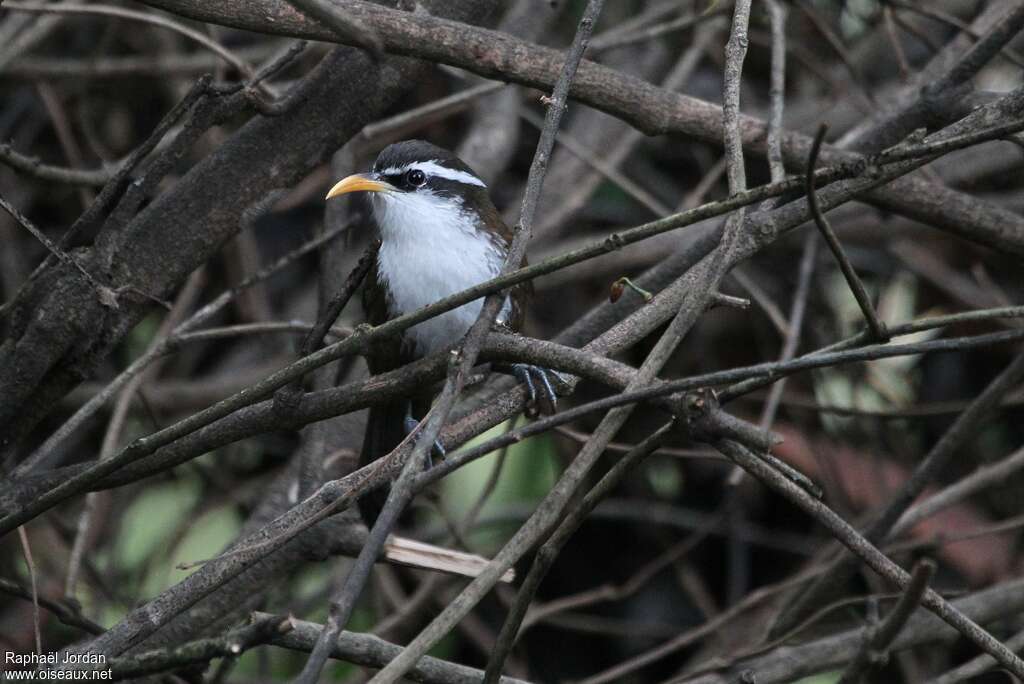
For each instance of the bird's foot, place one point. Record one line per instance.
(412, 425)
(526, 373)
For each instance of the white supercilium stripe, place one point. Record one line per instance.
(432, 168)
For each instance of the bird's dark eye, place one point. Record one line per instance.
(416, 178)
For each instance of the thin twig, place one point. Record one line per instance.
(757, 293)
(69, 615)
(579, 150)
(424, 115)
(124, 13)
(339, 21)
(550, 549)
(619, 39)
(836, 43)
(315, 339)
(792, 340)
(937, 14)
(979, 665)
(230, 644)
(59, 174)
(980, 54)
(834, 651)
(874, 649)
(993, 474)
(65, 137)
(952, 83)
(795, 324)
(107, 296)
(157, 65)
(926, 39)
(921, 410)
(469, 520)
(896, 330)
(777, 11)
(894, 40)
(26, 549)
(115, 426)
(876, 326)
(289, 394)
(692, 635)
(617, 592)
(113, 189)
(940, 539)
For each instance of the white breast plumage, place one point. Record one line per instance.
(430, 249)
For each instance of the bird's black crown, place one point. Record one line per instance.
(412, 164)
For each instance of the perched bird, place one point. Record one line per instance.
(440, 234)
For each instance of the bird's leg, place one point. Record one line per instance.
(526, 373)
(411, 425)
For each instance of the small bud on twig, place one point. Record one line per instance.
(619, 286)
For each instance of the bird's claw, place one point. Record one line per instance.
(525, 373)
(411, 425)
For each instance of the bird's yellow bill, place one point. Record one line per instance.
(357, 183)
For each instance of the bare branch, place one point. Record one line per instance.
(874, 650)
(876, 326)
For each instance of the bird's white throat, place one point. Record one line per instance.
(431, 247)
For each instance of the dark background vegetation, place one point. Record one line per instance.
(681, 552)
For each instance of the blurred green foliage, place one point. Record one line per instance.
(530, 469)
